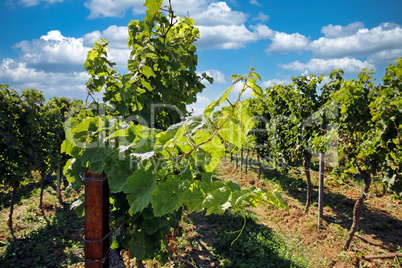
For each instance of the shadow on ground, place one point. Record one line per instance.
(55, 245)
(380, 224)
(257, 245)
(23, 192)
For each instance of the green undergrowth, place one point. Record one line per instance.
(52, 239)
(240, 241)
(254, 246)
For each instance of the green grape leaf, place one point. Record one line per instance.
(257, 90)
(139, 187)
(148, 72)
(153, 8)
(194, 195)
(118, 175)
(217, 201)
(165, 198)
(150, 226)
(79, 207)
(218, 101)
(136, 244)
(207, 177)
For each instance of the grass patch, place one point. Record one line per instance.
(49, 239)
(254, 246)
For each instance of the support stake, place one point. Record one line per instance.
(96, 221)
(321, 189)
(58, 183)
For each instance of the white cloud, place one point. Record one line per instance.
(90, 38)
(385, 56)
(117, 36)
(255, 2)
(189, 7)
(198, 9)
(234, 94)
(55, 52)
(220, 26)
(205, 12)
(363, 43)
(317, 66)
(218, 76)
(283, 43)
(219, 13)
(336, 31)
(230, 37)
(18, 75)
(261, 17)
(113, 8)
(200, 105)
(270, 83)
(379, 45)
(30, 3)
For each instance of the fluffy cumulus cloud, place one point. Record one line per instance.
(199, 106)
(342, 47)
(336, 31)
(30, 3)
(118, 8)
(317, 66)
(54, 52)
(219, 13)
(220, 26)
(113, 8)
(255, 2)
(385, 56)
(283, 43)
(18, 75)
(273, 82)
(234, 94)
(353, 40)
(231, 36)
(55, 63)
(356, 41)
(218, 76)
(261, 17)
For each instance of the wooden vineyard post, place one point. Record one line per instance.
(236, 160)
(248, 151)
(96, 222)
(241, 159)
(58, 183)
(259, 166)
(321, 189)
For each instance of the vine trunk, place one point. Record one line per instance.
(42, 186)
(10, 218)
(307, 161)
(357, 211)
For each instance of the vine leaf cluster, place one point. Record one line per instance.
(158, 163)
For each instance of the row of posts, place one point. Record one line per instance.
(320, 184)
(97, 214)
(246, 161)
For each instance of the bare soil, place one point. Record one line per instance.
(380, 229)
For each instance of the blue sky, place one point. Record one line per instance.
(44, 42)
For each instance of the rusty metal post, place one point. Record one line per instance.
(96, 221)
